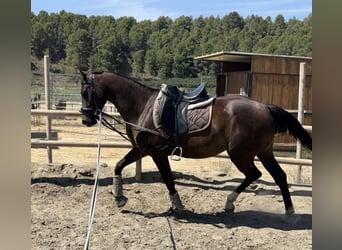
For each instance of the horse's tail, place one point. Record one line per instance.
(285, 122)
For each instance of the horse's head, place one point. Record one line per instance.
(91, 102)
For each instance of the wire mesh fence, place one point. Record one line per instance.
(65, 89)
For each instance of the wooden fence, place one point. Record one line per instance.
(60, 143)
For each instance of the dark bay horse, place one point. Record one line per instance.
(242, 127)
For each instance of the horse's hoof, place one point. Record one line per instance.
(121, 201)
(229, 208)
(290, 211)
(229, 211)
(172, 213)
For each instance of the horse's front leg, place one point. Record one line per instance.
(163, 165)
(133, 155)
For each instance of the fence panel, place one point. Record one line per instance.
(61, 143)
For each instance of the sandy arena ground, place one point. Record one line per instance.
(61, 195)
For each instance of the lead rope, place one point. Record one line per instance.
(93, 199)
(171, 233)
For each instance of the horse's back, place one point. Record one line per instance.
(239, 107)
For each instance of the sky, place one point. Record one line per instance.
(152, 9)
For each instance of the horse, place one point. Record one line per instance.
(241, 126)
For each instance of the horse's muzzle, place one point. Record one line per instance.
(88, 117)
(89, 122)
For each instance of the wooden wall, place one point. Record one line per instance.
(220, 85)
(235, 66)
(279, 65)
(280, 90)
(275, 80)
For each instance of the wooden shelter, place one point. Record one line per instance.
(271, 79)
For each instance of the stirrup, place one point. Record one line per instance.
(174, 156)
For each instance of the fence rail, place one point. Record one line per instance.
(61, 143)
(58, 113)
(65, 143)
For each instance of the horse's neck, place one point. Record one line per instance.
(131, 99)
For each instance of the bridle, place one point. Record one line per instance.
(92, 111)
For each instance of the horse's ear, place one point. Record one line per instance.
(84, 75)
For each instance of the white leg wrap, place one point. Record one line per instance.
(176, 202)
(117, 186)
(230, 202)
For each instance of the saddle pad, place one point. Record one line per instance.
(199, 118)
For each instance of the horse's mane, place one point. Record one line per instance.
(135, 80)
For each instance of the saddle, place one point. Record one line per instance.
(176, 112)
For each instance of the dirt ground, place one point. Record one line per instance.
(61, 196)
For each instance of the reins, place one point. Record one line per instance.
(132, 125)
(87, 111)
(107, 124)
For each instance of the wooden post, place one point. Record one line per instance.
(48, 104)
(301, 90)
(226, 84)
(138, 170)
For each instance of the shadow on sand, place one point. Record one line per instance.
(252, 219)
(181, 179)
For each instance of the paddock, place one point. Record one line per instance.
(62, 180)
(61, 193)
(287, 66)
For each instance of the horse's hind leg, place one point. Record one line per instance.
(279, 176)
(133, 155)
(248, 168)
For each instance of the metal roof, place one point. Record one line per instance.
(235, 56)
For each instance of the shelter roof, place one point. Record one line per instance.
(234, 56)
